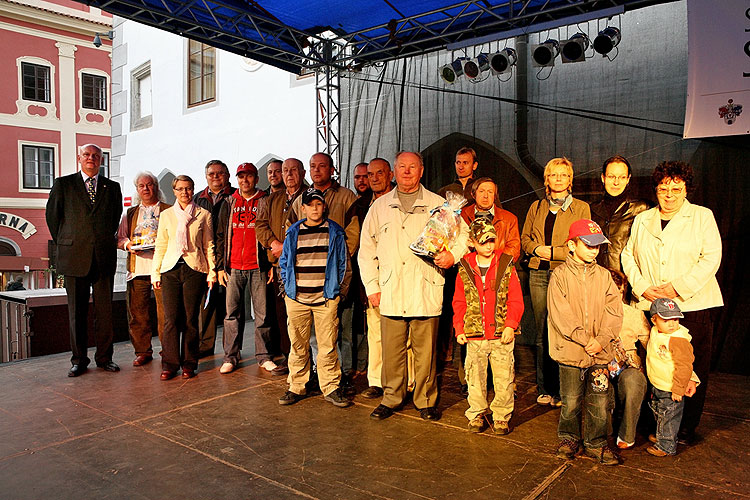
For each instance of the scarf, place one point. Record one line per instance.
(183, 218)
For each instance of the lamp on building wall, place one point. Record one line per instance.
(98, 41)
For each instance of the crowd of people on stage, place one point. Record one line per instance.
(623, 294)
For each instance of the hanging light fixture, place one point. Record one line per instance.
(574, 49)
(473, 68)
(503, 61)
(607, 40)
(544, 54)
(450, 72)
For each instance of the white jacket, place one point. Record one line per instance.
(200, 252)
(687, 254)
(409, 285)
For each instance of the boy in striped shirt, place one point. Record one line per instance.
(315, 271)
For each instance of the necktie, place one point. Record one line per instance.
(90, 189)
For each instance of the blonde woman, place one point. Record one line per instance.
(543, 240)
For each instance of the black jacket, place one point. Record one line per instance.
(616, 227)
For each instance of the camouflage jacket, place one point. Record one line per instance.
(475, 302)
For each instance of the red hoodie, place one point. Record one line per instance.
(244, 245)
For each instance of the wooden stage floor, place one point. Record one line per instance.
(129, 435)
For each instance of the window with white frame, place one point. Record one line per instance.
(140, 102)
(93, 92)
(38, 166)
(104, 167)
(36, 82)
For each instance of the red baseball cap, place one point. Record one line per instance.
(247, 168)
(588, 231)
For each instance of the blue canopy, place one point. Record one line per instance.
(296, 35)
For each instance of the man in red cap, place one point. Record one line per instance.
(237, 268)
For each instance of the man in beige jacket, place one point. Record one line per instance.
(407, 288)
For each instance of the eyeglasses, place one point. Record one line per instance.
(559, 176)
(621, 178)
(674, 191)
(180, 190)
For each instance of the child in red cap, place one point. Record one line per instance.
(585, 314)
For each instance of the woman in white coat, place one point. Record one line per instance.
(674, 251)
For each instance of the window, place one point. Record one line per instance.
(94, 92)
(36, 82)
(38, 167)
(104, 167)
(140, 104)
(201, 73)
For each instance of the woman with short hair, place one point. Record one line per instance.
(183, 266)
(543, 238)
(674, 251)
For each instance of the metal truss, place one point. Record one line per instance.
(328, 112)
(245, 28)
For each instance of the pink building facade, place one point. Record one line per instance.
(55, 96)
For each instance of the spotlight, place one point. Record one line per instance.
(98, 41)
(450, 72)
(544, 54)
(473, 68)
(574, 49)
(607, 40)
(503, 61)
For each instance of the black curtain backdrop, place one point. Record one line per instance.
(632, 105)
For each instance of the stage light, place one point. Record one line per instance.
(574, 49)
(450, 72)
(544, 54)
(473, 68)
(503, 61)
(607, 40)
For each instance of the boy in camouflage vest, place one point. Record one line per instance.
(487, 305)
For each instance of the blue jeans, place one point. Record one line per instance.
(587, 388)
(631, 389)
(234, 322)
(547, 381)
(668, 415)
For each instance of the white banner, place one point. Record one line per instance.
(718, 93)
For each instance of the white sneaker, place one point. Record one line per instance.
(269, 366)
(543, 399)
(226, 368)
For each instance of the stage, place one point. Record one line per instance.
(130, 435)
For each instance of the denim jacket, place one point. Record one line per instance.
(338, 268)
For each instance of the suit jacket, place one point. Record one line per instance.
(82, 231)
(200, 252)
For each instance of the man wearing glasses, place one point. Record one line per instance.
(211, 199)
(137, 236)
(82, 214)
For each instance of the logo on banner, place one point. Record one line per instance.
(730, 112)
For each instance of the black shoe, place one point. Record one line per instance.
(465, 390)
(109, 366)
(381, 412)
(685, 437)
(338, 399)
(372, 392)
(280, 370)
(430, 413)
(312, 387)
(289, 398)
(76, 370)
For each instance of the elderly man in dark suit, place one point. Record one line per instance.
(83, 213)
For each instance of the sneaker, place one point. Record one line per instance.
(501, 428)
(653, 450)
(226, 368)
(337, 398)
(543, 399)
(477, 424)
(268, 366)
(604, 455)
(289, 398)
(567, 449)
(556, 402)
(372, 392)
(624, 445)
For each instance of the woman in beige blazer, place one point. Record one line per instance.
(183, 266)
